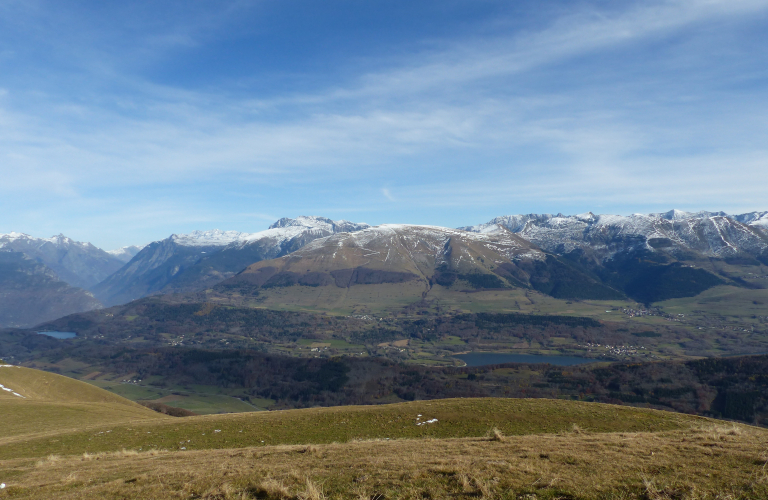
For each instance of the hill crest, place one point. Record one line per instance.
(38, 385)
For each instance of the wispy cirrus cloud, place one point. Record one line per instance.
(628, 105)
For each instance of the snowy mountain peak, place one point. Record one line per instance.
(323, 223)
(60, 240)
(303, 220)
(125, 253)
(677, 215)
(585, 217)
(63, 241)
(211, 237)
(12, 236)
(217, 237)
(78, 263)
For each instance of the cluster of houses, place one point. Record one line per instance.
(622, 350)
(639, 312)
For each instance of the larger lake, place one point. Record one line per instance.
(60, 335)
(497, 358)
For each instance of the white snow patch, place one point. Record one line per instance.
(213, 237)
(430, 421)
(281, 231)
(11, 391)
(126, 253)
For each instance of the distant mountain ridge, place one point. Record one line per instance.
(648, 258)
(77, 263)
(643, 256)
(709, 234)
(195, 261)
(31, 293)
(417, 258)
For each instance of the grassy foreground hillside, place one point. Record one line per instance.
(709, 462)
(452, 448)
(34, 403)
(455, 418)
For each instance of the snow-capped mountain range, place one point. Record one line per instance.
(647, 258)
(281, 231)
(711, 234)
(391, 253)
(414, 263)
(77, 263)
(194, 261)
(201, 259)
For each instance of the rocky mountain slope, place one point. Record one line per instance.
(79, 264)
(195, 261)
(648, 257)
(31, 293)
(680, 234)
(424, 256)
(652, 257)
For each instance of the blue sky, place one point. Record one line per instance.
(124, 122)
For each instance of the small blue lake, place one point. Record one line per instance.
(59, 335)
(497, 358)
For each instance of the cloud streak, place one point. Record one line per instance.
(583, 108)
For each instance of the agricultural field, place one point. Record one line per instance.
(722, 306)
(202, 400)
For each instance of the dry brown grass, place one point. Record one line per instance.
(705, 463)
(312, 450)
(50, 459)
(272, 489)
(495, 434)
(457, 418)
(311, 491)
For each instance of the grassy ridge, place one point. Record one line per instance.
(456, 418)
(20, 420)
(52, 403)
(38, 385)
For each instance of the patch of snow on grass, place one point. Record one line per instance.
(11, 391)
(430, 421)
